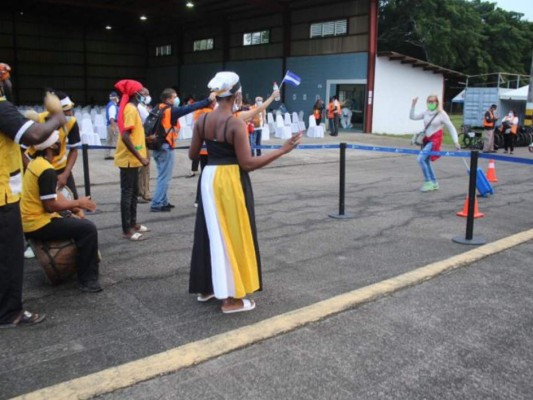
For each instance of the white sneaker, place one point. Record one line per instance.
(29, 253)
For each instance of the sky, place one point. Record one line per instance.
(522, 6)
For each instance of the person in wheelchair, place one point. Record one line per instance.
(41, 206)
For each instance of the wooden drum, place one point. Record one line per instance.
(58, 258)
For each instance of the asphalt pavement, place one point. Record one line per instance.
(465, 334)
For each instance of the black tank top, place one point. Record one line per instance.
(219, 153)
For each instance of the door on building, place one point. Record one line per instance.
(352, 95)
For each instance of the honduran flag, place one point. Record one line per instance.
(292, 79)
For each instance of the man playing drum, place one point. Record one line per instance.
(40, 205)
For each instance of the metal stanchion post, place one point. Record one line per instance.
(86, 178)
(342, 184)
(469, 237)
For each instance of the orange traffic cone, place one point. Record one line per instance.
(464, 212)
(491, 172)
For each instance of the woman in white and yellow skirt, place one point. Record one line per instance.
(225, 260)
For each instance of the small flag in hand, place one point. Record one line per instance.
(292, 79)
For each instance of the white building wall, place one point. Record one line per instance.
(396, 85)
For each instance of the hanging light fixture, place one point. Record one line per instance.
(189, 4)
(143, 17)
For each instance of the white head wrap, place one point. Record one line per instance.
(66, 103)
(225, 84)
(54, 137)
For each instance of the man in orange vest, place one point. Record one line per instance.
(489, 121)
(334, 112)
(164, 157)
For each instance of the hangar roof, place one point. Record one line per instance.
(162, 16)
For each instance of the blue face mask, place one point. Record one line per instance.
(176, 102)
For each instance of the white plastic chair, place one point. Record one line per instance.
(289, 122)
(296, 120)
(314, 131)
(265, 133)
(92, 139)
(185, 130)
(87, 124)
(271, 122)
(100, 126)
(189, 118)
(282, 131)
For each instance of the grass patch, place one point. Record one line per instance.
(457, 121)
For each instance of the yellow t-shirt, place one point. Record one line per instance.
(12, 127)
(59, 161)
(132, 122)
(34, 216)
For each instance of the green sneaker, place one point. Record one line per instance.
(435, 186)
(427, 187)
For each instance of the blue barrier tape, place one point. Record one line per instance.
(507, 158)
(394, 150)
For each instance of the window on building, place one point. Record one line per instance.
(203, 44)
(329, 28)
(165, 50)
(255, 38)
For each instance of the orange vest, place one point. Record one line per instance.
(172, 131)
(486, 124)
(317, 114)
(331, 109)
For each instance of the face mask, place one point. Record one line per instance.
(140, 98)
(68, 117)
(259, 103)
(432, 106)
(511, 115)
(235, 107)
(176, 102)
(147, 100)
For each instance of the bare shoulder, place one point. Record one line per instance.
(236, 122)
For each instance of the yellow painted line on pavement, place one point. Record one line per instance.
(131, 373)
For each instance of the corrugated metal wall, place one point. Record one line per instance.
(85, 64)
(194, 79)
(315, 71)
(257, 76)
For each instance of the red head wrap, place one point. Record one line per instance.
(127, 88)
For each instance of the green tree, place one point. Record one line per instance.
(473, 37)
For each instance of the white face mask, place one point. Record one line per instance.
(235, 107)
(176, 102)
(68, 117)
(511, 115)
(147, 100)
(258, 103)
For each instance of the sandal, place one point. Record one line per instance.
(136, 237)
(25, 318)
(140, 228)
(247, 305)
(202, 298)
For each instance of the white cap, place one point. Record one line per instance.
(54, 137)
(225, 84)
